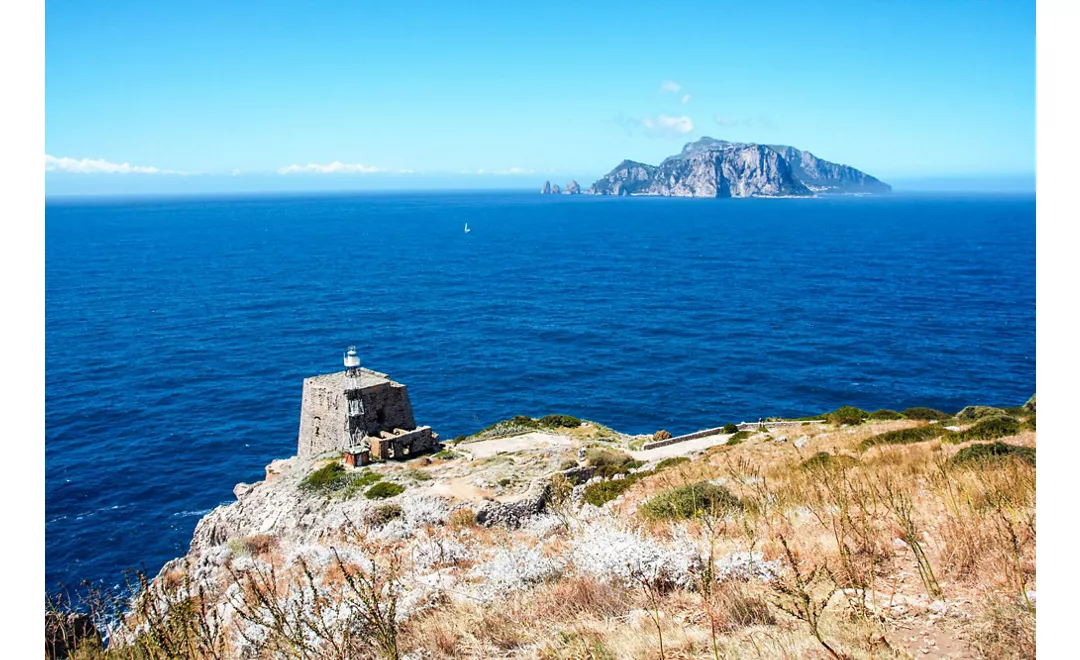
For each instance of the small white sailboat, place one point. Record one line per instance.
(467, 230)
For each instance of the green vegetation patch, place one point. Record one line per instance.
(823, 460)
(730, 428)
(417, 475)
(602, 492)
(989, 428)
(972, 413)
(925, 414)
(598, 457)
(384, 489)
(982, 453)
(846, 416)
(884, 414)
(690, 501)
(905, 436)
(672, 461)
(384, 513)
(559, 421)
(738, 438)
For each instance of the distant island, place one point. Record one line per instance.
(718, 168)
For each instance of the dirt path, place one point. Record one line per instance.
(486, 448)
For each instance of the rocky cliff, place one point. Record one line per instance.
(718, 168)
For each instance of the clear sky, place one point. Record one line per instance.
(144, 96)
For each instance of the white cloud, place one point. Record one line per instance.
(515, 170)
(335, 167)
(668, 125)
(670, 86)
(685, 99)
(723, 121)
(98, 166)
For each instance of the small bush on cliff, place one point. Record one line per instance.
(601, 457)
(989, 428)
(671, 462)
(559, 422)
(925, 414)
(884, 414)
(738, 438)
(730, 428)
(661, 435)
(981, 453)
(823, 460)
(972, 413)
(846, 416)
(690, 501)
(601, 492)
(329, 477)
(383, 490)
(905, 436)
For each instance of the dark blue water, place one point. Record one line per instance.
(178, 332)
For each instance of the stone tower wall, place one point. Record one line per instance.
(324, 418)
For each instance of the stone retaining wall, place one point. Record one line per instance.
(745, 426)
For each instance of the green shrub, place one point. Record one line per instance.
(846, 416)
(384, 513)
(925, 414)
(445, 455)
(559, 422)
(690, 501)
(825, 460)
(884, 414)
(417, 475)
(1030, 405)
(384, 489)
(989, 428)
(357, 483)
(328, 478)
(601, 492)
(600, 457)
(568, 464)
(730, 428)
(995, 451)
(738, 438)
(905, 436)
(672, 461)
(972, 413)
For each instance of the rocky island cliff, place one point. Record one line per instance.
(718, 168)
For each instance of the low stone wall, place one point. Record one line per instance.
(745, 426)
(683, 438)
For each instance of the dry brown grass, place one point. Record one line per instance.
(968, 536)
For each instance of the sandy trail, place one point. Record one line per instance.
(486, 448)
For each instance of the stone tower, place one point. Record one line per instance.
(344, 409)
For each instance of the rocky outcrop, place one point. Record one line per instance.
(717, 168)
(555, 189)
(572, 188)
(546, 190)
(513, 514)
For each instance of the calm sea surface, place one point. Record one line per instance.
(178, 331)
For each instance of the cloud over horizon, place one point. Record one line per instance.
(99, 166)
(335, 167)
(670, 86)
(668, 125)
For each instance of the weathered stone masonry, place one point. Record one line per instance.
(324, 413)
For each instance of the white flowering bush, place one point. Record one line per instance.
(746, 566)
(623, 555)
(428, 552)
(417, 511)
(515, 569)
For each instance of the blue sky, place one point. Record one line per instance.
(226, 96)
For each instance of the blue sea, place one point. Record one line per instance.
(178, 331)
